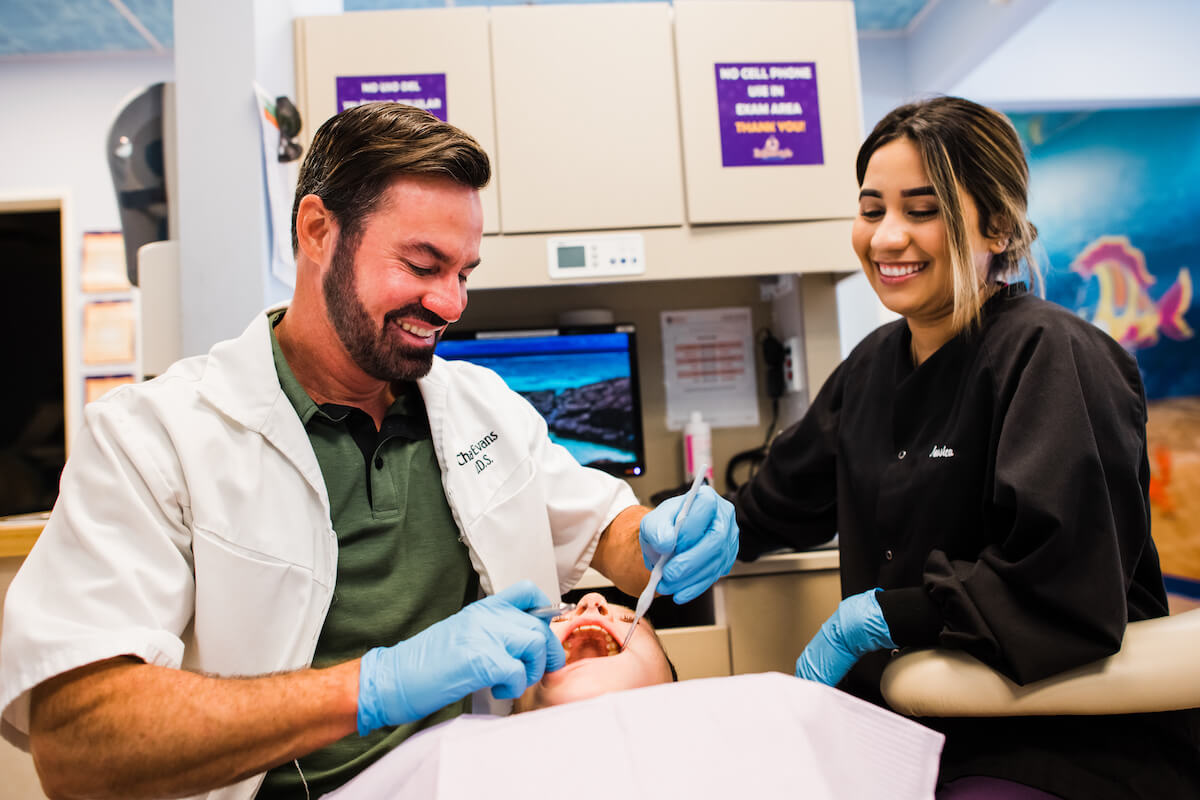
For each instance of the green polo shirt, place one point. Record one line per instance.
(401, 565)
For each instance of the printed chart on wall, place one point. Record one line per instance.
(427, 91)
(109, 320)
(102, 268)
(708, 366)
(1113, 197)
(768, 114)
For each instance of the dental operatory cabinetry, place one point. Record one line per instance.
(606, 120)
(591, 129)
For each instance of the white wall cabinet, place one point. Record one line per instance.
(586, 118)
(446, 41)
(604, 119)
(765, 34)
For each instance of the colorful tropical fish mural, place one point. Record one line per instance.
(1112, 193)
(1123, 307)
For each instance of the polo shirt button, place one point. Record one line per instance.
(888, 554)
(902, 454)
(378, 462)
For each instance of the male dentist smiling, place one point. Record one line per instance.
(262, 571)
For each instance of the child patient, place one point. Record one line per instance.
(592, 635)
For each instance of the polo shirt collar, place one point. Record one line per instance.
(407, 404)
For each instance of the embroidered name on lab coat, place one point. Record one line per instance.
(941, 452)
(475, 455)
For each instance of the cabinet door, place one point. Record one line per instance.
(446, 44)
(770, 102)
(586, 117)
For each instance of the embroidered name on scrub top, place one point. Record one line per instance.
(401, 565)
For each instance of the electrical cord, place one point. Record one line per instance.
(772, 352)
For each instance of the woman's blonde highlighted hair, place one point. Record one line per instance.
(968, 147)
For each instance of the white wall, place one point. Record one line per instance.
(56, 119)
(1095, 54)
(953, 37)
(1053, 54)
(883, 63)
(223, 237)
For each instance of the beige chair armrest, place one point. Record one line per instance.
(1157, 669)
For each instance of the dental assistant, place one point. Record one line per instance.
(983, 462)
(263, 568)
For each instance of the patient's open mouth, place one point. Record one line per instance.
(590, 641)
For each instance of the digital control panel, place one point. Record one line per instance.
(596, 255)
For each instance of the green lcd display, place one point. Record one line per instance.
(572, 257)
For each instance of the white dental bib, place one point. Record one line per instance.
(762, 736)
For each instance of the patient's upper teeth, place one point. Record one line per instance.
(611, 645)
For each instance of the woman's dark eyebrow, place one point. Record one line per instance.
(919, 191)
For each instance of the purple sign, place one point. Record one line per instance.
(423, 91)
(768, 114)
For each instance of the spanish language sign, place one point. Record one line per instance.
(423, 91)
(768, 114)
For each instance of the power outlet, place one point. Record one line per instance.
(793, 365)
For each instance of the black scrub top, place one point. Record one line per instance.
(997, 493)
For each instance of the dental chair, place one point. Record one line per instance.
(1155, 670)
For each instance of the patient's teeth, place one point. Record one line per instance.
(587, 639)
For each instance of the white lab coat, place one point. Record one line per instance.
(193, 528)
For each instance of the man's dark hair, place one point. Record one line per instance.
(356, 154)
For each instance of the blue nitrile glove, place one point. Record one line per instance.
(707, 546)
(492, 643)
(855, 629)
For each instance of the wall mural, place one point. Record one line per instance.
(1113, 195)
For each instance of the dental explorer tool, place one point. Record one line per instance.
(647, 594)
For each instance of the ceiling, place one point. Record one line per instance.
(41, 28)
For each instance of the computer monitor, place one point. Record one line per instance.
(582, 380)
(33, 409)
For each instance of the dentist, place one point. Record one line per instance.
(263, 568)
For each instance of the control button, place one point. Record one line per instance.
(902, 454)
(378, 462)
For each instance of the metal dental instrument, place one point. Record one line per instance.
(647, 595)
(548, 613)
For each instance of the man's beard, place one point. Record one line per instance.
(374, 351)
